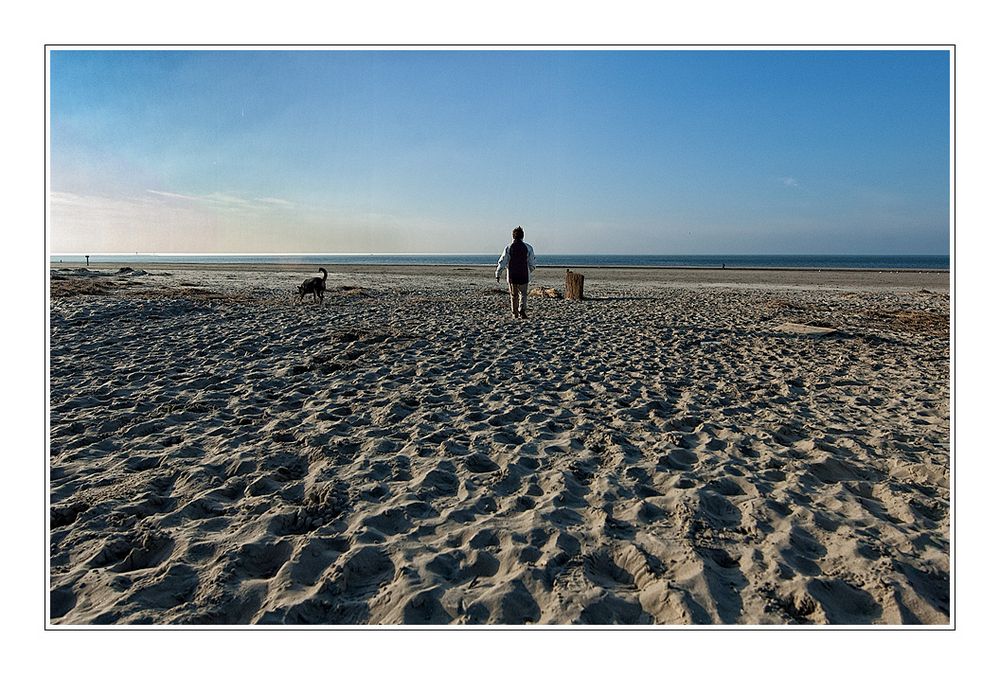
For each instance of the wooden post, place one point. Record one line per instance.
(574, 285)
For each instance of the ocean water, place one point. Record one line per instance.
(887, 262)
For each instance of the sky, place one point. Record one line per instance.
(427, 151)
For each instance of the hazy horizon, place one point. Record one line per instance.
(661, 152)
(456, 254)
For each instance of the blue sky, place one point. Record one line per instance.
(662, 152)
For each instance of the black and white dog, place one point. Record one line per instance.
(316, 286)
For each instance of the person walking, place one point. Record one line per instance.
(519, 261)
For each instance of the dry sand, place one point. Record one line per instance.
(677, 449)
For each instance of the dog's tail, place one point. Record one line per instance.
(323, 270)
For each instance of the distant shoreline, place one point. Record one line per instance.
(341, 265)
(939, 263)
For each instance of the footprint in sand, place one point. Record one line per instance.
(717, 511)
(508, 603)
(482, 564)
(316, 555)
(803, 551)
(610, 609)
(678, 459)
(362, 571)
(425, 608)
(601, 569)
(257, 560)
(480, 463)
(843, 603)
(389, 522)
(440, 481)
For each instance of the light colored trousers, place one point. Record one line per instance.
(518, 296)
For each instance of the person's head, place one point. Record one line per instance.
(518, 233)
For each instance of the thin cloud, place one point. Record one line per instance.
(788, 181)
(223, 199)
(229, 200)
(275, 201)
(174, 195)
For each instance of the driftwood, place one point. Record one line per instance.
(543, 292)
(574, 285)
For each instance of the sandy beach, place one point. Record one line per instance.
(683, 447)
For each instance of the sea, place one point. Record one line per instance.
(827, 262)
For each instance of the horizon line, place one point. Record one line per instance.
(609, 255)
